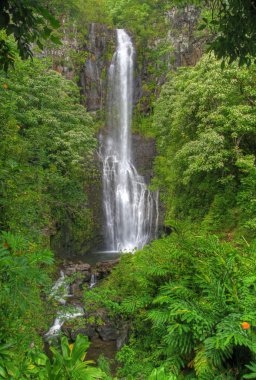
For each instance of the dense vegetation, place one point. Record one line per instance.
(189, 298)
(47, 139)
(24, 279)
(190, 310)
(204, 122)
(46, 147)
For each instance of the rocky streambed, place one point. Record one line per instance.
(108, 336)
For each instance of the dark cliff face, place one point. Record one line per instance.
(187, 49)
(100, 46)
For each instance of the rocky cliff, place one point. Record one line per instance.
(100, 46)
(187, 44)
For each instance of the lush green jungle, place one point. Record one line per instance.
(189, 297)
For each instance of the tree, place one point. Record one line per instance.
(205, 126)
(29, 22)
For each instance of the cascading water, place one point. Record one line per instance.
(131, 210)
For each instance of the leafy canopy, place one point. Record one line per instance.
(28, 21)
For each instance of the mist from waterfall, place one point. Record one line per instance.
(131, 210)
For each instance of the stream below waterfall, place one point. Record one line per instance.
(67, 291)
(62, 290)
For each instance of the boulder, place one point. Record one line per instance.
(88, 330)
(123, 336)
(108, 332)
(104, 268)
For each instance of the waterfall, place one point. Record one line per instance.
(131, 210)
(93, 281)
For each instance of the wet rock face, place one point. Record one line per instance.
(109, 330)
(93, 79)
(114, 331)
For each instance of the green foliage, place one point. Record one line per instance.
(187, 309)
(159, 374)
(28, 21)
(46, 152)
(234, 22)
(8, 51)
(252, 368)
(7, 368)
(204, 122)
(246, 196)
(46, 147)
(70, 364)
(24, 283)
(66, 363)
(104, 364)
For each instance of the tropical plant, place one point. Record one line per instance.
(66, 363)
(7, 367)
(24, 280)
(69, 364)
(192, 310)
(252, 368)
(159, 374)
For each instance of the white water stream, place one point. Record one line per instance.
(131, 210)
(60, 292)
